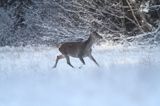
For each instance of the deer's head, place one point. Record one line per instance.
(96, 36)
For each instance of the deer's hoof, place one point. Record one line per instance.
(80, 67)
(54, 67)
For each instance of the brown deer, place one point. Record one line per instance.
(78, 49)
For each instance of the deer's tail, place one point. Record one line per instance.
(58, 45)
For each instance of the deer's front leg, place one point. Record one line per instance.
(92, 58)
(82, 60)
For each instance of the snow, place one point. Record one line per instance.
(127, 76)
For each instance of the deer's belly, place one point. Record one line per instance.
(76, 55)
(73, 55)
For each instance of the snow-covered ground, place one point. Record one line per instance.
(126, 77)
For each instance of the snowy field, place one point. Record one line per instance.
(126, 77)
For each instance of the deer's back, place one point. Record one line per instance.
(74, 49)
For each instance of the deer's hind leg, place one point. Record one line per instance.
(68, 61)
(57, 59)
(82, 60)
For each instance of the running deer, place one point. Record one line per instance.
(78, 49)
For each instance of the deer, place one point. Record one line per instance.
(79, 49)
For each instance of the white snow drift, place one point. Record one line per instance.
(127, 77)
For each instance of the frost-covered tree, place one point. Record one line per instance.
(55, 21)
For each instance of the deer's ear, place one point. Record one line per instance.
(92, 32)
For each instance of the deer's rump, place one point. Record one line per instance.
(72, 48)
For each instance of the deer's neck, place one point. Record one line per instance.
(89, 42)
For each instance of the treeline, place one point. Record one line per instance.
(25, 22)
